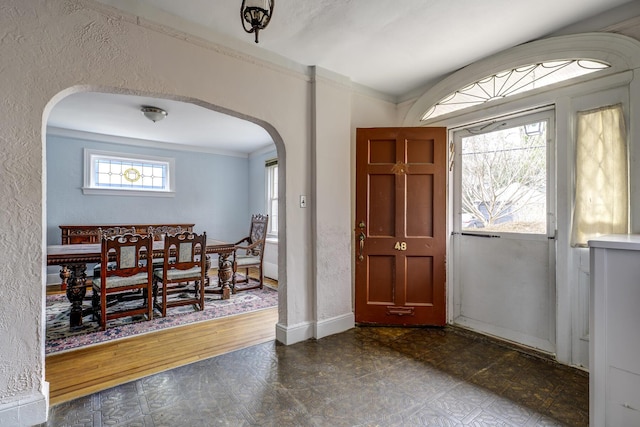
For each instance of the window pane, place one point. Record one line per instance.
(504, 180)
(273, 219)
(272, 195)
(511, 82)
(129, 174)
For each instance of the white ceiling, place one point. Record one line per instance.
(394, 47)
(120, 115)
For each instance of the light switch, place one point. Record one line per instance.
(303, 201)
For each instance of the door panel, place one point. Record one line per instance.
(419, 286)
(400, 226)
(420, 199)
(382, 215)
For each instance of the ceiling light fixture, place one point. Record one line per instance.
(256, 14)
(154, 114)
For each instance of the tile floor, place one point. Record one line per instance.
(362, 377)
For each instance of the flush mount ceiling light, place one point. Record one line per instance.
(256, 15)
(153, 113)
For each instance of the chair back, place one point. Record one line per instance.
(115, 231)
(183, 251)
(159, 233)
(124, 255)
(258, 234)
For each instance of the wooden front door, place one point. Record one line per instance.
(400, 228)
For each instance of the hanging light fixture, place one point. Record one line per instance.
(154, 114)
(256, 15)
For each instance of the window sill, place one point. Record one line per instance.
(136, 193)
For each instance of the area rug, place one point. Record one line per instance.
(60, 338)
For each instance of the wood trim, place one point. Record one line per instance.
(72, 234)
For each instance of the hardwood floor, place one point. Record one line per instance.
(84, 371)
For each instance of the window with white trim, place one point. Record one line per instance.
(271, 168)
(126, 174)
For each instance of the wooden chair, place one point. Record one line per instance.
(110, 232)
(251, 254)
(184, 263)
(158, 233)
(123, 271)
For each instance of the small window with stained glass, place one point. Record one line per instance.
(112, 171)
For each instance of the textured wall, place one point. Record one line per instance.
(331, 199)
(52, 48)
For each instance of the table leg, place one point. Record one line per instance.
(225, 273)
(76, 288)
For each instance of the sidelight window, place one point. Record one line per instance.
(602, 182)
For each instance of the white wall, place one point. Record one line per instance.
(331, 201)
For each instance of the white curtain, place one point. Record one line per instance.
(602, 185)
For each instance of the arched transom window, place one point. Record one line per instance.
(513, 81)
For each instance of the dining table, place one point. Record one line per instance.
(73, 260)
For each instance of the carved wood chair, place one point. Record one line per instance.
(249, 252)
(123, 272)
(184, 264)
(110, 232)
(160, 232)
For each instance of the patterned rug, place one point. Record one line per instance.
(61, 338)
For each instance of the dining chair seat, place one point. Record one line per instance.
(177, 274)
(242, 260)
(121, 282)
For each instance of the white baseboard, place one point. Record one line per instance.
(335, 325)
(26, 411)
(270, 270)
(506, 334)
(288, 335)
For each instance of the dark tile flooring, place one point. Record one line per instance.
(362, 377)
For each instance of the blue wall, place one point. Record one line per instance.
(212, 191)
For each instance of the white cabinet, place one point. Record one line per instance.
(614, 331)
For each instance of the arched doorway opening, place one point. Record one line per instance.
(216, 181)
